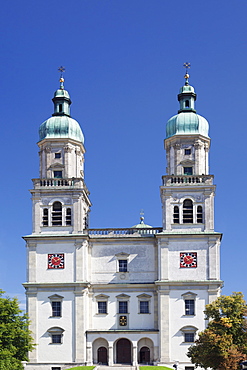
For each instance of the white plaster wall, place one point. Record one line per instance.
(48, 352)
(141, 263)
(43, 274)
(175, 272)
(178, 320)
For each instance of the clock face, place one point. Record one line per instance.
(188, 259)
(56, 261)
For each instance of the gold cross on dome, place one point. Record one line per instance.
(186, 66)
(61, 69)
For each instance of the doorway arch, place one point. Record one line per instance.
(102, 356)
(123, 350)
(144, 355)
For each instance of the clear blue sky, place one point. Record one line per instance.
(123, 64)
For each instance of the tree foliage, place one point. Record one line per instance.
(223, 345)
(15, 338)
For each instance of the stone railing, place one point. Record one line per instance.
(125, 232)
(172, 180)
(51, 183)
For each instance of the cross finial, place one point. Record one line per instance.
(61, 70)
(142, 215)
(186, 66)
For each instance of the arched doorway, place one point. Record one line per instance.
(144, 355)
(102, 356)
(123, 351)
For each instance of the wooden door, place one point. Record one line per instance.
(124, 351)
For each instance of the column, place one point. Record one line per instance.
(110, 354)
(89, 354)
(134, 360)
(164, 324)
(32, 313)
(79, 328)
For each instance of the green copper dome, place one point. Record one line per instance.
(187, 121)
(61, 125)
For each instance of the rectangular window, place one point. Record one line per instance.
(189, 368)
(56, 308)
(187, 151)
(122, 265)
(56, 368)
(144, 306)
(56, 338)
(189, 307)
(57, 155)
(57, 174)
(102, 307)
(189, 337)
(187, 170)
(123, 307)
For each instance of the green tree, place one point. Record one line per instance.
(224, 343)
(15, 338)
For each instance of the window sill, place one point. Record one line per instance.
(144, 313)
(101, 314)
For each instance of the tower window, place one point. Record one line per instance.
(45, 217)
(57, 174)
(187, 170)
(199, 214)
(187, 151)
(56, 308)
(57, 214)
(60, 108)
(122, 266)
(68, 216)
(176, 215)
(187, 103)
(189, 307)
(187, 211)
(57, 155)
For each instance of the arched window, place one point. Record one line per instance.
(199, 214)
(57, 214)
(176, 215)
(187, 211)
(187, 103)
(45, 217)
(68, 216)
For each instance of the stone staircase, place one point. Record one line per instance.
(116, 367)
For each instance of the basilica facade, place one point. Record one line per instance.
(120, 296)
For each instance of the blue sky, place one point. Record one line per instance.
(124, 67)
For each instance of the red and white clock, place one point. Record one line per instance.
(188, 259)
(56, 261)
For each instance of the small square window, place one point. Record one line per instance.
(57, 174)
(123, 306)
(122, 265)
(189, 337)
(56, 338)
(144, 306)
(187, 151)
(187, 170)
(102, 307)
(57, 155)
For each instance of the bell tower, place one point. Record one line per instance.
(60, 196)
(187, 191)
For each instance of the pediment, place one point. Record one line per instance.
(122, 255)
(187, 162)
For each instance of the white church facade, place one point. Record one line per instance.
(120, 296)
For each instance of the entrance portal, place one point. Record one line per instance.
(123, 351)
(102, 356)
(144, 355)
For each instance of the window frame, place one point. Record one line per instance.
(144, 298)
(56, 332)
(188, 211)
(102, 298)
(189, 330)
(189, 296)
(56, 298)
(123, 317)
(188, 171)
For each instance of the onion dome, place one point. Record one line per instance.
(187, 121)
(61, 125)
